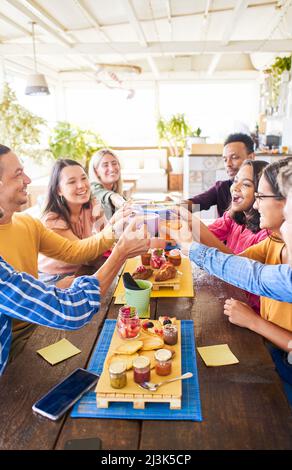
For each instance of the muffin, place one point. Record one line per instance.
(142, 273)
(174, 257)
(165, 273)
(145, 259)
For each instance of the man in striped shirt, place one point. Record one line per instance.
(23, 297)
(23, 237)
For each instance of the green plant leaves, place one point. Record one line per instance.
(20, 129)
(69, 141)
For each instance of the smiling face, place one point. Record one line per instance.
(108, 170)
(234, 155)
(242, 190)
(286, 228)
(74, 185)
(270, 208)
(13, 193)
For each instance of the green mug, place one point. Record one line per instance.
(140, 299)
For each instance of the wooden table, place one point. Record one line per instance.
(243, 405)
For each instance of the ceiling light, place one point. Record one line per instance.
(110, 76)
(36, 82)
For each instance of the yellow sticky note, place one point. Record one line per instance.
(59, 351)
(218, 355)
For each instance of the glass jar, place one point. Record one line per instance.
(170, 335)
(128, 323)
(141, 367)
(118, 374)
(163, 362)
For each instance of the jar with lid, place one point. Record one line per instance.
(170, 334)
(128, 323)
(141, 367)
(163, 362)
(118, 374)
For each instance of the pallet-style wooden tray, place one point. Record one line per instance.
(170, 393)
(170, 283)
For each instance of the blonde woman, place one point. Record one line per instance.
(106, 182)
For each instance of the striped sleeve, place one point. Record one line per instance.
(25, 298)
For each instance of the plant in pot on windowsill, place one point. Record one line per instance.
(173, 132)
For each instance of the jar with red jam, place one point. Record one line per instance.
(170, 334)
(163, 364)
(157, 259)
(141, 367)
(128, 323)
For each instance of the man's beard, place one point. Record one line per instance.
(1, 212)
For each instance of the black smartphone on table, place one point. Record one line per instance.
(61, 397)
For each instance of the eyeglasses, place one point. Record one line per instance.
(261, 197)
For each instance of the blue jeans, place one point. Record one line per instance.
(283, 368)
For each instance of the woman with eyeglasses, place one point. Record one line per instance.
(73, 213)
(275, 320)
(106, 182)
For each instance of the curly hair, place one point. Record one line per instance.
(243, 138)
(251, 218)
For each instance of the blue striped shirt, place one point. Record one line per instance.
(25, 298)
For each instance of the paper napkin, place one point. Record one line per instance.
(218, 355)
(59, 351)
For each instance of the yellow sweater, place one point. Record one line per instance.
(269, 252)
(24, 237)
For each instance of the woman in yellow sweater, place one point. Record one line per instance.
(275, 322)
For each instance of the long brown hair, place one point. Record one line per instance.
(94, 164)
(56, 203)
(251, 218)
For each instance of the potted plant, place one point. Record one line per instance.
(277, 76)
(195, 137)
(69, 141)
(173, 132)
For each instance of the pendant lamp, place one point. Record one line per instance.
(36, 82)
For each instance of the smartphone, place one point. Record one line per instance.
(61, 397)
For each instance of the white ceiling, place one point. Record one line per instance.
(169, 39)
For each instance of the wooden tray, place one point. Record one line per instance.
(170, 393)
(170, 283)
